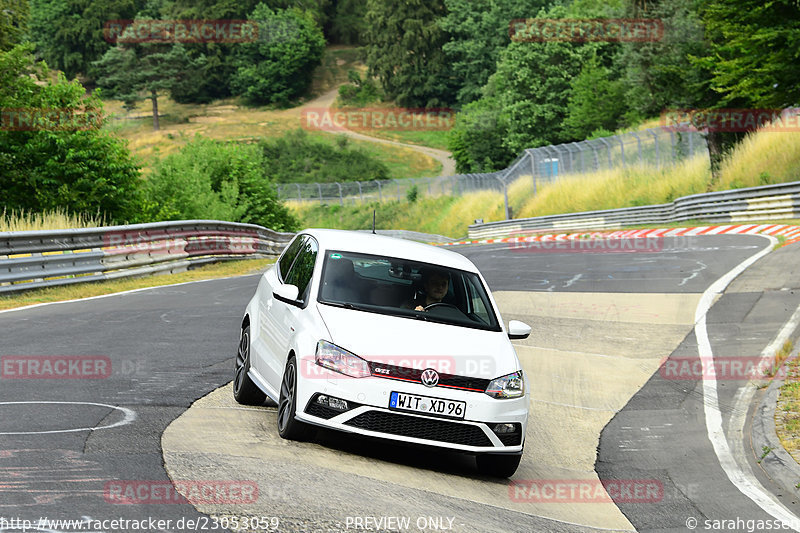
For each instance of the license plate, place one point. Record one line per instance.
(425, 404)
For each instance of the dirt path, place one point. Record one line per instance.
(324, 101)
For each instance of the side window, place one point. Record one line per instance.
(303, 268)
(288, 256)
(478, 305)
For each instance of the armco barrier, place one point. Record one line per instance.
(33, 259)
(769, 202)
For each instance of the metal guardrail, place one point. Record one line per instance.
(768, 202)
(34, 259)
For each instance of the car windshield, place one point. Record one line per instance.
(406, 288)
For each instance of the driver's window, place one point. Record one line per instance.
(303, 268)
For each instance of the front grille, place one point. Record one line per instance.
(420, 428)
(413, 375)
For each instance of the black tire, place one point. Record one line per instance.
(244, 390)
(498, 465)
(288, 427)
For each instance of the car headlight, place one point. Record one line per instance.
(510, 386)
(340, 360)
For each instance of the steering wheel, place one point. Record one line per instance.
(437, 304)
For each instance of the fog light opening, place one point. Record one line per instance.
(504, 429)
(333, 403)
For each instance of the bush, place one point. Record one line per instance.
(359, 92)
(210, 179)
(296, 157)
(79, 170)
(476, 139)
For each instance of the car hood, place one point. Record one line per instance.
(419, 344)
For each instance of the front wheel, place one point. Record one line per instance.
(498, 465)
(288, 427)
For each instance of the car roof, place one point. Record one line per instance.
(369, 243)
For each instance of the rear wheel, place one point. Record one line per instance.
(498, 465)
(288, 427)
(244, 390)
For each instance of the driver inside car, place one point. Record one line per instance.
(435, 284)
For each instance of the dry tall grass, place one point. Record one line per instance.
(764, 157)
(760, 159)
(59, 219)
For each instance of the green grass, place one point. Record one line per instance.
(430, 138)
(85, 290)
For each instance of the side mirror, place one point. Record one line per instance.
(518, 330)
(286, 293)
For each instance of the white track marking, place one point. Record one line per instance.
(744, 481)
(130, 416)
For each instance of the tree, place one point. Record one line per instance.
(279, 66)
(348, 25)
(660, 74)
(69, 33)
(14, 16)
(134, 73)
(596, 101)
(476, 140)
(404, 51)
(754, 51)
(478, 31)
(66, 162)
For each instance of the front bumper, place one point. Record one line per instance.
(368, 413)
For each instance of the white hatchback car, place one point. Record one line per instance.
(385, 338)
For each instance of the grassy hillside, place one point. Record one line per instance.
(762, 158)
(228, 120)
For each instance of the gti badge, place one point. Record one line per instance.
(430, 378)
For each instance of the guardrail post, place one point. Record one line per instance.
(360, 192)
(319, 187)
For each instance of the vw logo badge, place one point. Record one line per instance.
(430, 378)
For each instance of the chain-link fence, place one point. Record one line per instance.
(351, 192)
(655, 148)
